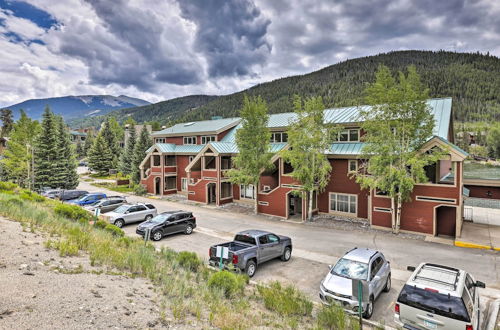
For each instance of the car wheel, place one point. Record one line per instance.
(369, 309)
(387, 287)
(148, 217)
(119, 223)
(251, 268)
(157, 235)
(287, 254)
(188, 230)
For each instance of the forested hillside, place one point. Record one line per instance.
(472, 80)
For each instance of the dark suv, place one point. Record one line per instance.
(168, 223)
(67, 195)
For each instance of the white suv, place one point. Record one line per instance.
(439, 297)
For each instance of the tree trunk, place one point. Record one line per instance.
(310, 206)
(393, 215)
(398, 214)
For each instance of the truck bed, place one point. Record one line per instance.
(235, 246)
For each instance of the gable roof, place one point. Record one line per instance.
(202, 127)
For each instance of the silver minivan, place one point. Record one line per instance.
(439, 297)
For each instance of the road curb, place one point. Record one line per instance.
(474, 246)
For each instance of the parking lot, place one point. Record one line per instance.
(316, 248)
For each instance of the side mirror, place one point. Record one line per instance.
(330, 267)
(410, 268)
(480, 284)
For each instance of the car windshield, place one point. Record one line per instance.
(245, 239)
(121, 209)
(83, 198)
(160, 218)
(96, 203)
(434, 302)
(351, 269)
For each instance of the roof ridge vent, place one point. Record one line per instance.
(189, 124)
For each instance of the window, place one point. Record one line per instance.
(184, 184)
(170, 183)
(349, 135)
(247, 191)
(287, 168)
(160, 140)
(225, 190)
(191, 158)
(150, 206)
(279, 137)
(272, 238)
(225, 163)
(353, 165)
(170, 160)
(343, 203)
(263, 239)
(209, 138)
(156, 160)
(209, 163)
(380, 193)
(140, 208)
(376, 265)
(382, 209)
(190, 140)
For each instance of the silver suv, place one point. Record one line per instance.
(107, 204)
(439, 297)
(358, 264)
(128, 213)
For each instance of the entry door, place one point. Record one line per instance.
(211, 193)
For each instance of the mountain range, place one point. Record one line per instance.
(81, 106)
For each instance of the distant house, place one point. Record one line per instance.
(77, 137)
(193, 159)
(138, 129)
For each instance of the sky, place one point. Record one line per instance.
(160, 49)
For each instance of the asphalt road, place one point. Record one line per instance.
(315, 248)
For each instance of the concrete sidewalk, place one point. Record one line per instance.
(479, 236)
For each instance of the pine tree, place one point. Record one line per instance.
(100, 157)
(109, 134)
(128, 155)
(7, 121)
(17, 161)
(253, 140)
(88, 144)
(68, 159)
(308, 137)
(141, 145)
(46, 152)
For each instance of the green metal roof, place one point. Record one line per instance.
(457, 148)
(205, 126)
(77, 133)
(346, 148)
(232, 148)
(175, 148)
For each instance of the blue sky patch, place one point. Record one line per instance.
(25, 10)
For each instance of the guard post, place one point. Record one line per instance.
(360, 291)
(147, 235)
(97, 212)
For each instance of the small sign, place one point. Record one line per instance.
(97, 212)
(222, 252)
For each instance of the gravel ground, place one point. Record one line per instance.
(39, 289)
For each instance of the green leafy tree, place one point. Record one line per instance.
(100, 157)
(46, 152)
(308, 137)
(493, 140)
(396, 127)
(130, 121)
(17, 162)
(127, 157)
(140, 148)
(69, 175)
(7, 121)
(155, 125)
(252, 140)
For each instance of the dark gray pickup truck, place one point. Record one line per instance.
(251, 248)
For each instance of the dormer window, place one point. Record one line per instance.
(208, 138)
(349, 135)
(190, 140)
(160, 140)
(279, 137)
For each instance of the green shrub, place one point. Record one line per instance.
(7, 186)
(31, 196)
(189, 260)
(72, 212)
(140, 190)
(101, 224)
(67, 248)
(15, 201)
(118, 232)
(229, 283)
(285, 300)
(126, 241)
(332, 317)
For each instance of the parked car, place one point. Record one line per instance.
(439, 297)
(88, 199)
(82, 163)
(251, 248)
(168, 223)
(358, 264)
(67, 195)
(129, 213)
(52, 193)
(107, 204)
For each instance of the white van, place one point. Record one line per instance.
(439, 297)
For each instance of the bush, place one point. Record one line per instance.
(285, 300)
(7, 186)
(189, 260)
(229, 283)
(118, 232)
(72, 212)
(140, 190)
(332, 317)
(101, 224)
(31, 196)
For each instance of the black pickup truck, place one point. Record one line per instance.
(251, 248)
